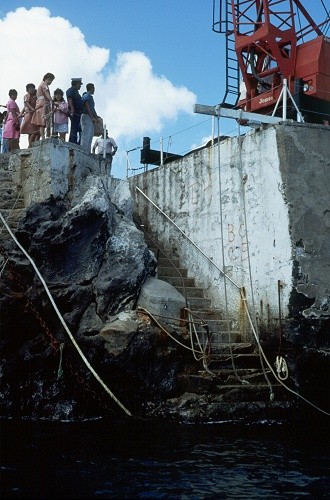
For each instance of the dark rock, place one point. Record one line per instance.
(94, 261)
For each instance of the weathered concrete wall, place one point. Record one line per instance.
(305, 169)
(52, 167)
(258, 209)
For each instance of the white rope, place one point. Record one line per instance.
(223, 250)
(271, 368)
(3, 266)
(249, 258)
(221, 219)
(166, 331)
(245, 220)
(192, 348)
(192, 329)
(192, 326)
(85, 360)
(60, 369)
(281, 368)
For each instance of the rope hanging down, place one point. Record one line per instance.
(85, 360)
(281, 367)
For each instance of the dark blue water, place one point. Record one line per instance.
(134, 460)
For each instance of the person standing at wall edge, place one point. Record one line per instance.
(30, 100)
(11, 131)
(60, 119)
(88, 118)
(75, 107)
(3, 142)
(110, 149)
(42, 116)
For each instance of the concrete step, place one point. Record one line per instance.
(218, 324)
(6, 181)
(247, 392)
(4, 172)
(233, 347)
(151, 235)
(218, 353)
(220, 360)
(242, 375)
(225, 337)
(230, 350)
(9, 200)
(233, 390)
(10, 195)
(221, 330)
(209, 314)
(191, 291)
(176, 281)
(164, 272)
(12, 216)
(158, 248)
(199, 302)
(6, 176)
(167, 261)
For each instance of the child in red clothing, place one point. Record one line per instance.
(12, 123)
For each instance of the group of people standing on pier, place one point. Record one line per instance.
(45, 116)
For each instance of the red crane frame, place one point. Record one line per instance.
(268, 51)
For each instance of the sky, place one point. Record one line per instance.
(150, 61)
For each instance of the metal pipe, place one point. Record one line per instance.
(279, 293)
(187, 237)
(104, 140)
(161, 152)
(285, 97)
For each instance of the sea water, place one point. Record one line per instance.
(101, 459)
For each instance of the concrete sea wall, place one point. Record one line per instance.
(255, 207)
(52, 168)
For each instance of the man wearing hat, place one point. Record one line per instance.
(75, 106)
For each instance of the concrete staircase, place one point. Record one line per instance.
(235, 371)
(11, 200)
(11, 207)
(169, 269)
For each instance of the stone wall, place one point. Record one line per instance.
(256, 208)
(52, 167)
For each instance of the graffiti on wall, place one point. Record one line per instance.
(237, 242)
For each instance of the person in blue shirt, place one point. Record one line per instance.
(75, 107)
(88, 118)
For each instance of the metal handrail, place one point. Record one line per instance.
(222, 273)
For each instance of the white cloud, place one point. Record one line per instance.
(131, 98)
(34, 43)
(139, 101)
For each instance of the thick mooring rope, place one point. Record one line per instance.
(83, 357)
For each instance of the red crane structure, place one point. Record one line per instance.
(271, 44)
